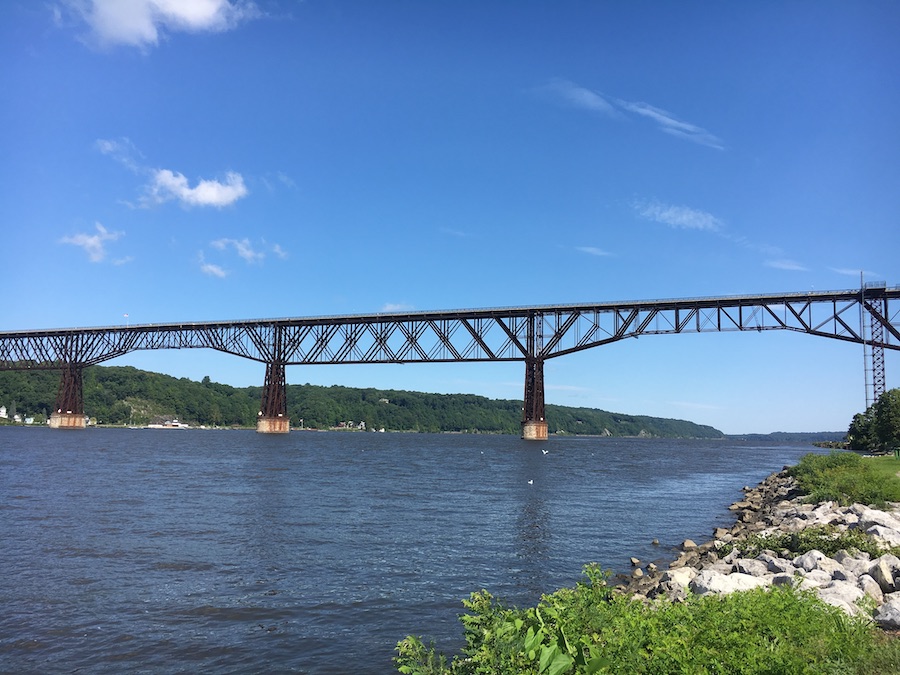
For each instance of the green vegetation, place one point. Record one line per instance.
(877, 429)
(825, 538)
(125, 395)
(591, 629)
(846, 478)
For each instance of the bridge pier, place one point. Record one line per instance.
(69, 413)
(272, 418)
(534, 425)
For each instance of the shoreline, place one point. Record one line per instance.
(852, 582)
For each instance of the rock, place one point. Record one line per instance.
(635, 562)
(888, 615)
(713, 582)
(809, 561)
(869, 517)
(680, 577)
(870, 587)
(688, 545)
(775, 564)
(783, 579)
(817, 578)
(655, 542)
(756, 568)
(637, 573)
(843, 596)
(886, 534)
(883, 570)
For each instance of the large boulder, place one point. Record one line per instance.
(714, 582)
(888, 615)
(883, 570)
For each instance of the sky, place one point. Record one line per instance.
(210, 160)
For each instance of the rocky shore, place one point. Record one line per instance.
(855, 582)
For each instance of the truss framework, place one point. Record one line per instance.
(510, 334)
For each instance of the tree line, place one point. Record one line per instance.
(123, 395)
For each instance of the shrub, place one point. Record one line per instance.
(590, 629)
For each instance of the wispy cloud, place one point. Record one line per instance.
(581, 97)
(141, 23)
(211, 269)
(592, 250)
(279, 252)
(679, 217)
(669, 124)
(396, 307)
(242, 247)
(586, 99)
(787, 265)
(166, 185)
(93, 244)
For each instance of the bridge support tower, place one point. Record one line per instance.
(69, 412)
(273, 417)
(534, 425)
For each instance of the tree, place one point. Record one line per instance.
(887, 420)
(879, 427)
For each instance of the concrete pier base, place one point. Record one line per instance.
(273, 425)
(534, 431)
(66, 421)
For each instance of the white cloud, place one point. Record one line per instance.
(211, 269)
(581, 97)
(680, 217)
(167, 185)
(122, 150)
(670, 125)
(93, 244)
(139, 23)
(242, 247)
(591, 250)
(788, 265)
(396, 307)
(280, 252)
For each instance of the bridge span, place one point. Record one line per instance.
(869, 316)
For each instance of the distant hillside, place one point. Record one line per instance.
(126, 395)
(795, 437)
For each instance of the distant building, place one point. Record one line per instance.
(3, 413)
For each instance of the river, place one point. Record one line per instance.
(131, 550)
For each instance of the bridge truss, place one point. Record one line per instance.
(869, 316)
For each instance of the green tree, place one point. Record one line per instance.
(887, 419)
(861, 435)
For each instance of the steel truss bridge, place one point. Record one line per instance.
(869, 316)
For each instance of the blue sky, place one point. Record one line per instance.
(209, 160)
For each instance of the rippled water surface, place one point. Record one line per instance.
(228, 551)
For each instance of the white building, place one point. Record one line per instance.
(3, 412)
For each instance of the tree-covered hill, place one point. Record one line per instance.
(126, 395)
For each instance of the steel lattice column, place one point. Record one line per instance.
(879, 307)
(69, 413)
(534, 426)
(273, 418)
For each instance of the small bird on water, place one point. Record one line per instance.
(531, 482)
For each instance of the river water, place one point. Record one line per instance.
(228, 551)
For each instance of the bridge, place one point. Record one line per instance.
(869, 316)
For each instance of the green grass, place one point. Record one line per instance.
(847, 478)
(590, 629)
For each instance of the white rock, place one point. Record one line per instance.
(712, 582)
(887, 534)
(883, 570)
(681, 576)
(871, 588)
(809, 561)
(756, 568)
(869, 517)
(817, 578)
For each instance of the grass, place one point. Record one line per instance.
(848, 478)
